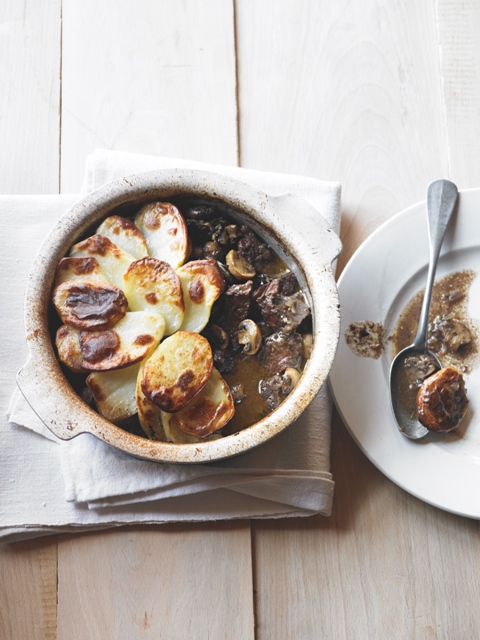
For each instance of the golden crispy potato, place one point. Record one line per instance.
(442, 400)
(202, 284)
(152, 285)
(89, 304)
(131, 340)
(174, 434)
(71, 268)
(125, 234)
(177, 370)
(114, 392)
(112, 260)
(209, 410)
(165, 231)
(149, 415)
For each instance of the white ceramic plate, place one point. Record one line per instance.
(384, 273)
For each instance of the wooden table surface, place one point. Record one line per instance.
(380, 95)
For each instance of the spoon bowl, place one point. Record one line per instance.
(442, 196)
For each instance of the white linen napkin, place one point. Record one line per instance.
(50, 486)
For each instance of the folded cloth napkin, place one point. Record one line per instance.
(50, 486)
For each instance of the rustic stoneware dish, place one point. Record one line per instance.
(294, 230)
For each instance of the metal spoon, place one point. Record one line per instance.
(441, 198)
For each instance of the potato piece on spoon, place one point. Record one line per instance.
(177, 370)
(114, 392)
(89, 304)
(165, 232)
(152, 285)
(131, 340)
(112, 260)
(202, 284)
(125, 234)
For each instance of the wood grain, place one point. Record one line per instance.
(162, 582)
(29, 96)
(154, 77)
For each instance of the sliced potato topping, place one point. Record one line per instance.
(177, 370)
(209, 410)
(152, 285)
(165, 231)
(202, 284)
(133, 338)
(89, 304)
(112, 260)
(174, 434)
(114, 392)
(149, 415)
(125, 234)
(70, 268)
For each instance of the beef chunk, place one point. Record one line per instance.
(223, 360)
(253, 249)
(200, 212)
(281, 350)
(237, 305)
(280, 305)
(271, 390)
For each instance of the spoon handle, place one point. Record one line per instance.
(441, 199)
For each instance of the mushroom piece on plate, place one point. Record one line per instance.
(131, 340)
(177, 370)
(152, 285)
(209, 410)
(114, 392)
(71, 268)
(125, 234)
(89, 304)
(165, 232)
(202, 284)
(112, 260)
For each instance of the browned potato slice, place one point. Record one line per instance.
(178, 369)
(149, 415)
(112, 260)
(152, 285)
(174, 434)
(114, 392)
(202, 284)
(89, 304)
(165, 231)
(442, 400)
(125, 234)
(209, 410)
(132, 339)
(70, 268)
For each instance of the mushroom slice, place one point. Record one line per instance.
(250, 336)
(114, 392)
(125, 234)
(165, 232)
(152, 285)
(71, 268)
(112, 260)
(202, 284)
(209, 410)
(133, 339)
(149, 415)
(89, 304)
(177, 370)
(174, 434)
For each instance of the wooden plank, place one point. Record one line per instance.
(29, 96)
(458, 33)
(156, 78)
(177, 582)
(28, 590)
(352, 92)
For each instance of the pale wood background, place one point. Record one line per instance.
(383, 96)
